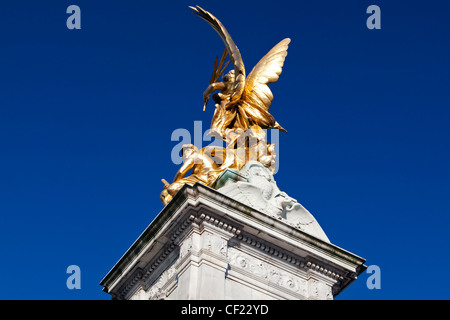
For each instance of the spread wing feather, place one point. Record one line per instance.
(235, 55)
(268, 69)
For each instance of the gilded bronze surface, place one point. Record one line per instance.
(240, 117)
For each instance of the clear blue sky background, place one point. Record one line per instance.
(86, 118)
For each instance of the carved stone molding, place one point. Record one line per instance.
(161, 287)
(303, 263)
(215, 244)
(267, 272)
(221, 246)
(202, 230)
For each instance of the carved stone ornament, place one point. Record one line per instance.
(260, 269)
(255, 187)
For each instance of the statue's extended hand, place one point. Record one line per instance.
(206, 99)
(166, 184)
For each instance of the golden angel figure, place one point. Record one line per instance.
(242, 102)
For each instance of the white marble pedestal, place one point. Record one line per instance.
(206, 245)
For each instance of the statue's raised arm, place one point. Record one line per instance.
(233, 51)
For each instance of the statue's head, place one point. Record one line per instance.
(229, 77)
(187, 150)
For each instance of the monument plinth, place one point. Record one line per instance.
(206, 245)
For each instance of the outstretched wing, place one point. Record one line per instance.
(268, 69)
(235, 55)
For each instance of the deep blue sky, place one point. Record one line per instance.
(86, 118)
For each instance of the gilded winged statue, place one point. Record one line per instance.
(242, 111)
(243, 103)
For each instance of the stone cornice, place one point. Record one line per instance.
(200, 204)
